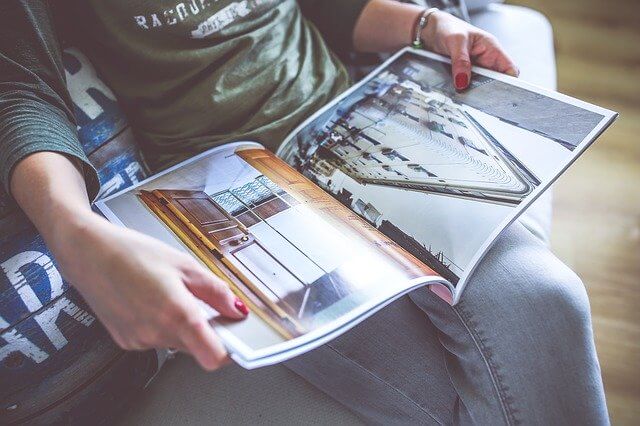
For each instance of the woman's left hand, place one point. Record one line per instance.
(465, 44)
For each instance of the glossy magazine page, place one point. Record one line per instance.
(438, 171)
(307, 267)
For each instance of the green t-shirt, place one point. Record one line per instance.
(196, 74)
(189, 74)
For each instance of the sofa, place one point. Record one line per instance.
(183, 394)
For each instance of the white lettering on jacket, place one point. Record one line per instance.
(80, 83)
(16, 342)
(47, 318)
(12, 266)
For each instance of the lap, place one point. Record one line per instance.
(419, 361)
(523, 318)
(389, 369)
(521, 335)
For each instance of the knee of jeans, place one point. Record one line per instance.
(564, 297)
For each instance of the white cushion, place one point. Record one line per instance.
(183, 394)
(474, 5)
(526, 36)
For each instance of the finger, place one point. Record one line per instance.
(504, 64)
(511, 69)
(458, 47)
(215, 292)
(119, 340)
(203, 344)
(499, 59)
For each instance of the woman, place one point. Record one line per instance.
(199, 73)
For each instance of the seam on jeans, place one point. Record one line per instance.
(507, 410)
(371, 373)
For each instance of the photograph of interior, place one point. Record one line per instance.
(280, 251)
(232, 231)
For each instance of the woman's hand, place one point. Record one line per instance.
(147, 294)
(465, 44)
(388, 25)
(144, 292)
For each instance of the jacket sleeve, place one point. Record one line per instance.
(36, 113)
(335, 19)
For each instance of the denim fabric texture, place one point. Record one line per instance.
(517, 349)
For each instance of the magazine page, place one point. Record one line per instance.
(306, 266)
(442, 172)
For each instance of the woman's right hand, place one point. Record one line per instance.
(145, 292)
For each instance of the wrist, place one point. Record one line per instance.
(69, 230)
(419, 27)
(385, 26)
(427, 33)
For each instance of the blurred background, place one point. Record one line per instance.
(597, 202)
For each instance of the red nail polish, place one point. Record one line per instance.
(241, 307)
(461, 81)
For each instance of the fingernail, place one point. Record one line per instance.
(241, 307)
(461, 81)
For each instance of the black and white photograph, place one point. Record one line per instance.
(435, 168)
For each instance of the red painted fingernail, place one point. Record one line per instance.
(461, 81)
(241, 307)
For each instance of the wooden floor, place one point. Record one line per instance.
(597, 206)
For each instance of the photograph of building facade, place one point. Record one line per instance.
(406, 137)
(564, 123)
(400, 135)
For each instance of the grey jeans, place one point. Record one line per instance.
(517, 349)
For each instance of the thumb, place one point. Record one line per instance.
(215, 292)
(460, 61)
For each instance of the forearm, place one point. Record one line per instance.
(50, 189)
(144, 292)
(38, 137)
(385, 26)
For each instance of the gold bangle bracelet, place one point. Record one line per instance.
(421, 24)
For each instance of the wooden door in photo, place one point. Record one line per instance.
(229, 239)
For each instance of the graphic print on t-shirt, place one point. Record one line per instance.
(222, 15)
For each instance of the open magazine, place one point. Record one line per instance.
(401, 182)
